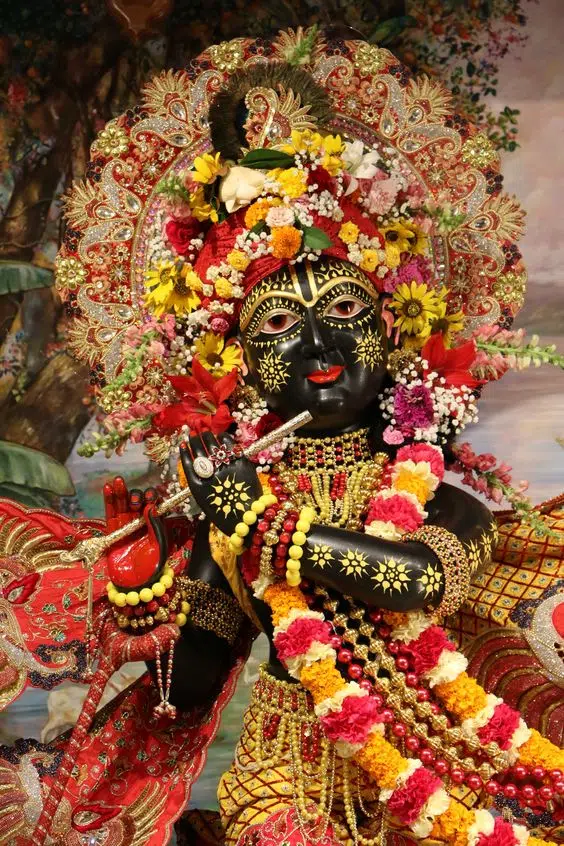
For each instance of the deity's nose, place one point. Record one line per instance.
(315, 341)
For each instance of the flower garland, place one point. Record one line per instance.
(354, 722)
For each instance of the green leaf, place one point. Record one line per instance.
(30, 468)
(267, 159)
(258, 227)
(17, 276)
(388, 30)
(315, 238)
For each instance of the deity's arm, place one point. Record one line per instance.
(201, 657)
(398, 575)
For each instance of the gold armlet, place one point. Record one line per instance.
(212, 609)
(452, 555)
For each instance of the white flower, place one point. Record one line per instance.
(240, 186)
(280, 216)
(449, 666)
(360, 164)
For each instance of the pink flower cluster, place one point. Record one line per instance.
(397, 509)
(352, 724)
(501, 726)
(502, 835)
(407, 802)
(300, 636)
(425, 651)
(482, 473)
(424, 452)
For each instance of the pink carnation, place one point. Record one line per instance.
(424, 452)
(397, 509)
(393, 436)
(502, 835)
(382, 195)
(353, 722)
(299, 636)
(219, 325)
(425, 651)
(280, 216)
(406, 802)
(500, 728)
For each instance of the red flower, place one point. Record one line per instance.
(300, 636)
(502, 835)
(500, 727)
(266, 424)
(179, 233)
(453, 365)
(202, 404)
(425, 651)
(322, 178)
(406, 802)
(353, 722)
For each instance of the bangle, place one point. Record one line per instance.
(452, 556)
(213, 610)
(296, 551)
(249, 518)
(164, 602)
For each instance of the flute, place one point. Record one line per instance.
(91, 549)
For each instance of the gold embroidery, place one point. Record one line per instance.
(230, 495)
(369, 58)
(227, 56)
(273, 372)
(275, 114)
(479, 151)
(391, 575)
(369, 350)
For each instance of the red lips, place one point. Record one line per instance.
(325, 377)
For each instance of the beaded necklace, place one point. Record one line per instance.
(335, 476)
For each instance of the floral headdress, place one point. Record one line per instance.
(264, 154)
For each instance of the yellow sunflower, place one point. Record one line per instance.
(447, 324)
(207, 168)
(397, 241)
(415, 306)
(172, 288)
(216, 357)
(418, 241)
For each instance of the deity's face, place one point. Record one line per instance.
(313, 340)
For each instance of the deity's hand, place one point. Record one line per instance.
(138, 558)
(232, 484)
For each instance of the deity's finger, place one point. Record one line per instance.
(109, 502)
(136, 499)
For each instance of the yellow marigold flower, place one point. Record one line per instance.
(207, 168)
(200, 208)
(413, 483)
(238, 260)
(286, 241)
(223, 288)
(322, 679)
(381, 761)
(292, 181)
(396, 242)
(415, 305)
(540, 752)
(172, 288)
(463, 696)
(303, 142)
(348, 233)
(282, 598)
(370, 260)
(257, 212)
(452, 826)
(216, 356)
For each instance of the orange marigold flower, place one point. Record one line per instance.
(282, 599)
(286, 241)
(410, 482)
(381, 761)
(452, 826)
(257, 212)
(322, 679)
(395, 618)
(463, 697)
(540, 752)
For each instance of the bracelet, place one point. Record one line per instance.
(249, 518)
(272, 537)
(213, 610)
(164, 602)
(296, 551)
(452, 556)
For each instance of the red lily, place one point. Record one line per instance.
(452, 364)
(202, 402)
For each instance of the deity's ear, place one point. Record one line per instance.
(387, 316)
(234, 342)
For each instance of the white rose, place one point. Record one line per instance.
(240, 186)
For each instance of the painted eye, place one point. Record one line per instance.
(345, 307)
(277, 322)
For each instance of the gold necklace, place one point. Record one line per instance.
(334, 476)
